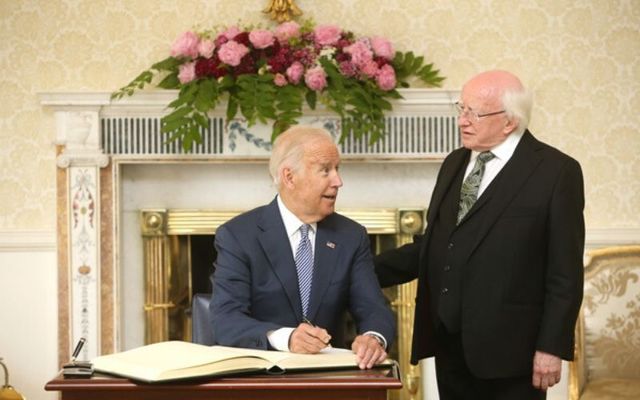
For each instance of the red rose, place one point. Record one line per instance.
(243, 38)
(209, 67)
(247, 66)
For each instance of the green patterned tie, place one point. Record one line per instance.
(470, 186)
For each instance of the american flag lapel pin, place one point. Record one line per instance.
(331, 245)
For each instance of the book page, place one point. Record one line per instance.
(324, 359)
(176, 359)
(329, 357)
(157, 361)
(330, 350)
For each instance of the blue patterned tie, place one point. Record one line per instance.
(470, 186)
(304, 266)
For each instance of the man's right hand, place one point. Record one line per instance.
(308, 339)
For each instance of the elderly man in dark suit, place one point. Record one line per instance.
(287, 272)
(499, 267)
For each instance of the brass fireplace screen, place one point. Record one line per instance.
(178, 260)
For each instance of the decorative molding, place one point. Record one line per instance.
(74, 99)
(20, 241)
(604, 237)
(26, 241)
(84, 268)
(154, 102)
(78, 130)
(421, 127)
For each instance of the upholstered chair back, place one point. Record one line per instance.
(608, 331)
(201, 329)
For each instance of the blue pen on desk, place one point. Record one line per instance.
(76, 351)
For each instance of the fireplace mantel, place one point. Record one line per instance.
(98, 138)
(90, 126)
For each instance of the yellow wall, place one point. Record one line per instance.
(580, 57)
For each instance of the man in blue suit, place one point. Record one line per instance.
(262, 296)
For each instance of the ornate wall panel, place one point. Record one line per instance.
(581, 58)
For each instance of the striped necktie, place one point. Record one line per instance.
(470, 186)
(304, 266)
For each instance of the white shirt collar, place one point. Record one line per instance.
(291, 222)
(504, 150)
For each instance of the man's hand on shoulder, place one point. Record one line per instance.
(368, 350)
(308, 339)
(547, 369)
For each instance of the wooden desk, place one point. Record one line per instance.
(335, 385)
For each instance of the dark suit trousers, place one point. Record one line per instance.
(456, 382)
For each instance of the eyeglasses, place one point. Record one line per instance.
(473, 115)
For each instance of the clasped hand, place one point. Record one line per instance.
(311, 339)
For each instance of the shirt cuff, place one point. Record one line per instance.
(279, 339)
(378, 337)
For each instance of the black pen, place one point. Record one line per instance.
(306, 321)
(76, 351)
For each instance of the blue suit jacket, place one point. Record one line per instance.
(255, 284)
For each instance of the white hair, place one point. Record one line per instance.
(517, 104)
(288, 149)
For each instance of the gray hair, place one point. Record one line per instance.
(517, 104)
(289, 146)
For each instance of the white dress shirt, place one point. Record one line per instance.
(502, 153)
(279, 338)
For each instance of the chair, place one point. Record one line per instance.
(200, 326)
(607, 356)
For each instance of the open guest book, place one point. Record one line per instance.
(174, 360)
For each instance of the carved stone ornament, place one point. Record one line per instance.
(78, 131)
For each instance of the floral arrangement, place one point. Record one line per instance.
(267, 76)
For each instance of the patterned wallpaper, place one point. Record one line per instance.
(580, 57)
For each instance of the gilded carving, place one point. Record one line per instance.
(282, 10)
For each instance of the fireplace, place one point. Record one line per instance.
(113, 163)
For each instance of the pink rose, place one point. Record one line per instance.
(294, 72)
(370, 68)
(382, 48)
(231, 32)
(261, 39)
(279, 80)
(348, 69)
(360, 53)
(206, 48)
(386, 77)
(287, 30)
(232, 52)
(316, 78)
(186, 45)
(326, 35)
(187, 72)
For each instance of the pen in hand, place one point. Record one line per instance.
(306, 321)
